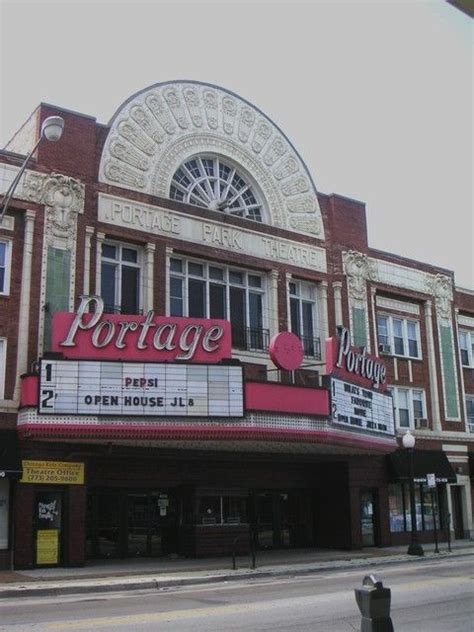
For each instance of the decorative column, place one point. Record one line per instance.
(441, 287)
(273, 324)
(148, 294)
(337, 288)
(359, 269)
(323, 316)
(373, 294)
(63, 199)
(169, 253)
(288, 279)
(87, 260)
(99, 240)
(25, 293)
(433, 372)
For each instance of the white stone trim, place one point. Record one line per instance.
(322, 304)
(245, 241)
(400, 306)
(273, 302)
(465, 321)
(87, 260)
(148, 277)
(25, 301)
(162, 126)
(7, 223)
(454, 447)
(337, 289)
(99, 240)
(432, 368)
(3, 366)
(169, 255)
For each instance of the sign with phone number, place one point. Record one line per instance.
(53, 472)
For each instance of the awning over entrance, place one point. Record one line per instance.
(10, 463)
(424, 462)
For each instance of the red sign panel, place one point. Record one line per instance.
(89, 333)
(281, 398)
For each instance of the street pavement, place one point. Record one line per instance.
(431, 594)
(143, 574)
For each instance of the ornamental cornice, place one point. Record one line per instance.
(359, 269)
(162, 126)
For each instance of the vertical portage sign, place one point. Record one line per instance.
(354, 363)
(358, 387)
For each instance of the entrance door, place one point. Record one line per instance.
(264, 519)
(122, 523)
(456, 503)
(138, 519)
(367, 517)
(283, 519)
(48, 526)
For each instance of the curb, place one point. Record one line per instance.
(158, 584)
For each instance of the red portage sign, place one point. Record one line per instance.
(89, 333)
(354, 363)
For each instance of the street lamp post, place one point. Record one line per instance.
(415, 547)
(51, 129)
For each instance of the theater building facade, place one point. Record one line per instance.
(198, 348)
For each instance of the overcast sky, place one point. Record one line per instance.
(376, 96)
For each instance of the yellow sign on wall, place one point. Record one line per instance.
(47, 546)
(53, 472)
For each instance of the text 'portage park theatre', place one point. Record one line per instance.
(101, 374)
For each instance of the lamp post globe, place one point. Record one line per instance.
(51, 129)
(408, 442)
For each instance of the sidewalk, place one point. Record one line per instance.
(141, 574)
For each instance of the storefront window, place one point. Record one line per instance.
(234, 509)
(430, 505)
(400, 512)
(396, 507)
(209, 511)
(222, 510)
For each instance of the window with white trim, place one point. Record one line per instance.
(470, 412)
(121, 271)
(303, 316)
(208, 290)
(215, 184)
(466, 347)
(409, 405)
(3, 364)
(398, 336)
(5, 259)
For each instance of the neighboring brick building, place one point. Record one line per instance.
(192, 204)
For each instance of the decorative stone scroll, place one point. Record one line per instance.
(63, 198)
(359, 269)
(164, 125)
(441, 287)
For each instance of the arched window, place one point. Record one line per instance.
(210, 182)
